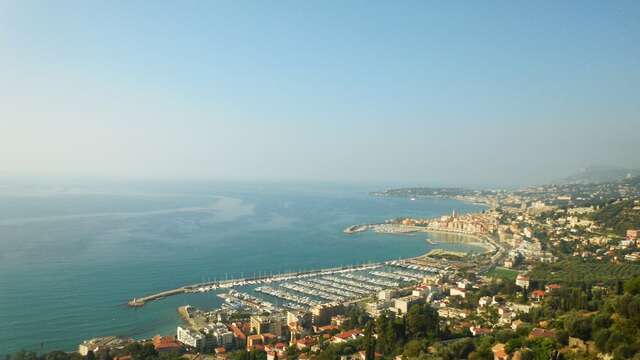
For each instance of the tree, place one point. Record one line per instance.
(369, 342)
(601, 321)
(422, 320)
(104, 355)
(141, 352)
(632, 286)
(57, 355)
(25, 355)
(513, 345)
(461, 349)
(578, 326)
(562, 337)
(615, 340)
(90, 356)
(413, 348)
(602, 338)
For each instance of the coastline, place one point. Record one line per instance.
(407, 230)
(437, 197)
(162, 317)
(480, 241)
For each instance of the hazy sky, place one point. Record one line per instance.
(420, 92)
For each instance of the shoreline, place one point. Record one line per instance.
(409, 230)
(438, 197)
(480, 241)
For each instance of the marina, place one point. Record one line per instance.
(256, 280)
(299, 290)
(304, 290)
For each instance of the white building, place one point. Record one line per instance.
(484, 301)
(458, 292)
(191, 338)
(464, 284)
(219, 334)
(402, 305)
(522, 281)
(386, 295)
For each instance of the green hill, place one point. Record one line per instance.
(618, 216)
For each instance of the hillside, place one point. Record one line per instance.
(619, 216)
(600, 174)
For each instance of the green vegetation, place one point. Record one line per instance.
(577, 271)
(591, 318)
(618, 216)
(136, 350)
(608, 320)
(396, 335)
(503, 273)
(248, 355)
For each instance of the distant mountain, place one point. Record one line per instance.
(601, 174)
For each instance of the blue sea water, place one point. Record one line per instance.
(71, 256)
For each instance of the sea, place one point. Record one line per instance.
(73, 254)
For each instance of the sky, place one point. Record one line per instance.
(411, 92)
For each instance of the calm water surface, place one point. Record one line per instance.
(71, 257)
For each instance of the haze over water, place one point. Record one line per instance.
(71, 259)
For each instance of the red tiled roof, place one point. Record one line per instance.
(538, 293)
(165, 342)
(348, 334)
(306, 341)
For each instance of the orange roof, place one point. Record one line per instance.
(499, 351)
(306, 341)
(537, 293)
(165, 342)
(481, 330)
(328, 328)
(237, 332)
(348, 334)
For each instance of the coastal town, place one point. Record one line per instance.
(552, 257)
(319, 180)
